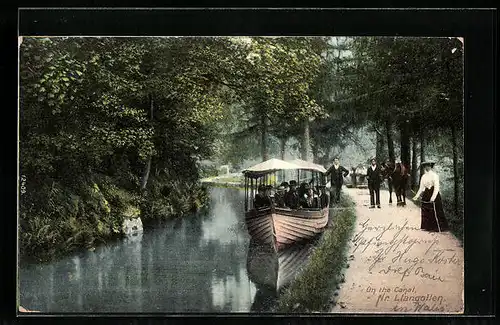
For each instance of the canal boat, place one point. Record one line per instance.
(282, 226)
(273, 271)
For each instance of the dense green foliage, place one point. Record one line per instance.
(312, 290)
(109, 125)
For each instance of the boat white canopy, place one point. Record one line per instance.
(270, 166)
(308, 165)
(274, 164)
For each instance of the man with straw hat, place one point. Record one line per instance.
(432, 212)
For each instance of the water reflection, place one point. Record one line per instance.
(194, 264)
(272, 272)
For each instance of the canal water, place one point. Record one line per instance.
(192, 264)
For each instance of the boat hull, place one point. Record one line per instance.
(282, 227)
(269, 269)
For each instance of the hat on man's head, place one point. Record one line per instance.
(284, 184)
(269, 187)
(293, 182)
(281, 188)
(373, 158)
(427, 163)
(261, 187)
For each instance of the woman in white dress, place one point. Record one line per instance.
(433, 218)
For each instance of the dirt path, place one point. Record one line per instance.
(397, 268)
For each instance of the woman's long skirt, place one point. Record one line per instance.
(433, 218)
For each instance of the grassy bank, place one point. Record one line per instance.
(455, 217)
(313, 290)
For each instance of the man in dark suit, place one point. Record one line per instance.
(337, 174)
(374, 177)
(292, 197)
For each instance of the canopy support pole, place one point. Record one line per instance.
(246, 194)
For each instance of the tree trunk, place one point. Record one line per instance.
(390, 141)
(405, 143)
(455, 167)
(315, 154)
(380, 151)
(305, 144)
(145, 175)
(422, 150)
(263, 139)
(414, 166)
(282, 148)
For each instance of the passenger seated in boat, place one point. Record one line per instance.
(322, 201)
(286, 186)
(302, 189)
(279, 197)
(292, 197)
(268, 193)
(261, 199)
(307, 200)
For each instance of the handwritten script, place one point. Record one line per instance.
(410, 267)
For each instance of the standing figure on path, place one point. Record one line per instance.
(337, 174)
(433, 218)
(374, 177)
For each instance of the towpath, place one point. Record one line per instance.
(394, 267)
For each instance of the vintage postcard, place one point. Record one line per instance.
(242, 174)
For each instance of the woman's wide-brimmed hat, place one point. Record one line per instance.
(427, 163)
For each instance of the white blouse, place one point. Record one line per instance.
(428, 180)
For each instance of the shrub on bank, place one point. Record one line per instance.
(455, 217)
(60, 218)
(314, 288)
